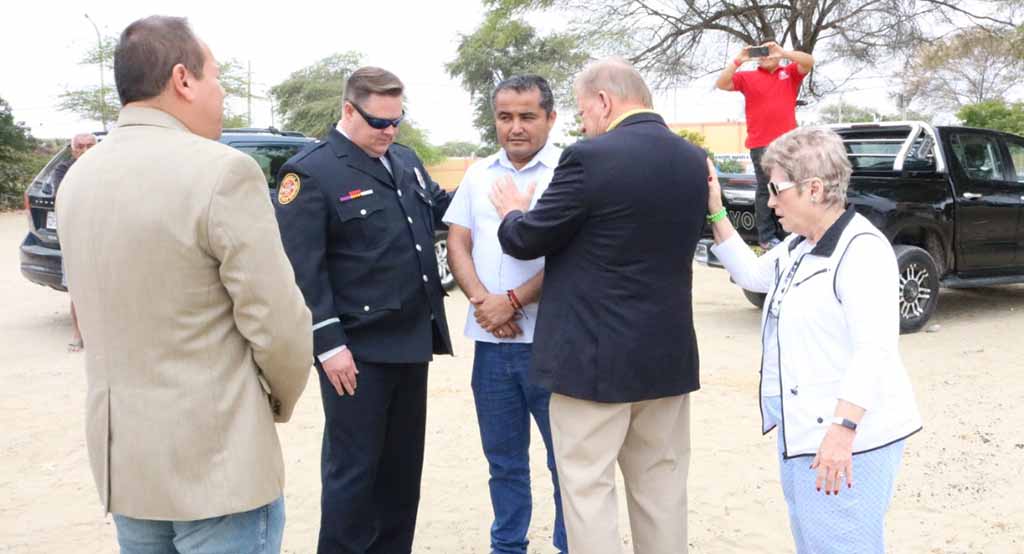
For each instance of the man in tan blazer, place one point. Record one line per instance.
(199, 339)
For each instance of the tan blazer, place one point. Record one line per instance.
(195, 331)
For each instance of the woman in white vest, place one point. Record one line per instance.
(832, 380)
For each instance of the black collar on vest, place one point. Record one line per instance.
(827, 245)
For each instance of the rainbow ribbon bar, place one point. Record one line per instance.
(355, 194)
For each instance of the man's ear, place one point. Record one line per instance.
(606, 102)
(183, 82)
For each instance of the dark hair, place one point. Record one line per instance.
(371, 80)
(526, 83)
(147, 52)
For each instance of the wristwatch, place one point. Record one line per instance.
(842, 421)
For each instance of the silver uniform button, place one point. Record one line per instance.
(399, 193)
(410, 220)
(425, 279)
(362, 212)
(366, 308)
(419, 248)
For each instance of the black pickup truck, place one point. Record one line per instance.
(950, 200)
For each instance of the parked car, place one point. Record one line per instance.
(950, 200)
(40, 251)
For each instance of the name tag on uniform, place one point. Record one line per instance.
(355, 194)
(419, 177)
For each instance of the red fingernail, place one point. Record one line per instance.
(709, 178)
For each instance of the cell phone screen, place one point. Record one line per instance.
(758, 52)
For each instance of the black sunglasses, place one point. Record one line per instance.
(378, 122)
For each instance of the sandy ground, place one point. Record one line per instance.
(960, 490)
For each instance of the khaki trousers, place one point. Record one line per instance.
(651, 442)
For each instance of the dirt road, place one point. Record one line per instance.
(960, 490)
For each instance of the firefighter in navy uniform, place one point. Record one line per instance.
(357, 216)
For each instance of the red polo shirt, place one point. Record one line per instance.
(770, 102)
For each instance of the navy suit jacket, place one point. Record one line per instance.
(618, 226)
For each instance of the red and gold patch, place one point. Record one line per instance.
(289, 188)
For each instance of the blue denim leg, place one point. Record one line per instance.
(504, 420)
(538, 399)
(257, 531)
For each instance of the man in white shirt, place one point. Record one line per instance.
(503, 292)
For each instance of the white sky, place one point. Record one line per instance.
(43, 41)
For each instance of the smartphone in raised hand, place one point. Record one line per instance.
(758, 51)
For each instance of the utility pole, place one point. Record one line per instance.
(248, 95)
(103, 87)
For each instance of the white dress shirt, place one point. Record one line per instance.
(471, 208)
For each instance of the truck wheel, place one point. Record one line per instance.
(755, 298)
(919, 287)
(441, 252)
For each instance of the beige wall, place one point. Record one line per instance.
(725, 137)
(449, 173)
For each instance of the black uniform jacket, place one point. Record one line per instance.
(618, 226)
(361, 241)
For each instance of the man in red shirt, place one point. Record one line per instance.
(770, 92)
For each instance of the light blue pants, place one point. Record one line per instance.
(257, 531)
(852, 522)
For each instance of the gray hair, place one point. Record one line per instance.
(812, 152)
(526, 83)
(80, 137)
(618, 78)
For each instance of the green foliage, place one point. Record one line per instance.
(458, 149)
(697, 139)
(309, 100)
(674, 42)
(416, 139)
(18, 162)
(90, 103)
(503, 46)
(95, 102)
(694, 137)
(235, 80)
(994, 114)
(729, 166)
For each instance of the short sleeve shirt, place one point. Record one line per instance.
(770, 102)
(471, 208)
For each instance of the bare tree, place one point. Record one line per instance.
(973, 66)
(676, 41)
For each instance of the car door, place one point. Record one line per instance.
(988, 203)
(1015, 154)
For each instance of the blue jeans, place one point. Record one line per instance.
(504, 401)
(257, 531)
